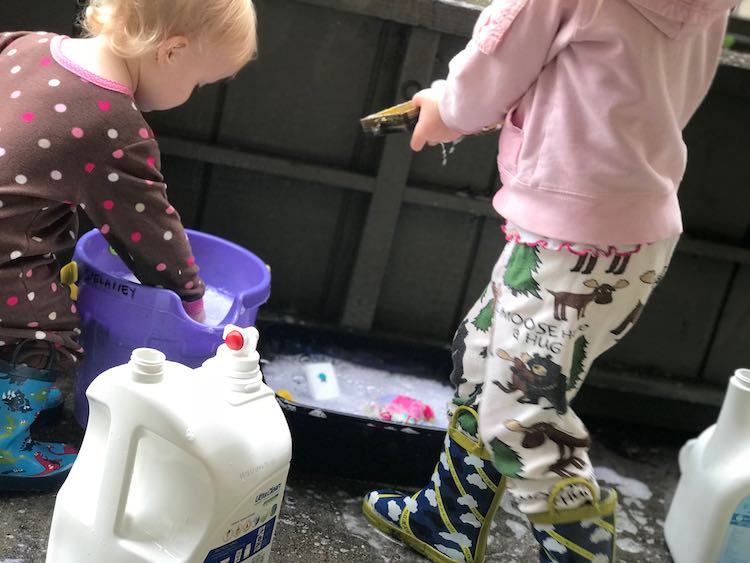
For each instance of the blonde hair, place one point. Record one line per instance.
(135, 27)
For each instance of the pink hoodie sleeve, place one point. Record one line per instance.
(512, 42)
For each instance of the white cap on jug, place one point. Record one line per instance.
(147, 365)
(743, 377)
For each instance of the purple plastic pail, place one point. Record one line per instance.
(119, 315)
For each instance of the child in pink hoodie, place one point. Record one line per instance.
(594, 95)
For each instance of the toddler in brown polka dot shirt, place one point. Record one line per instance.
(72, 137)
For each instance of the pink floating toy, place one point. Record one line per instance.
(406, 410)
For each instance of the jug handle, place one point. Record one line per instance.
(118, 468)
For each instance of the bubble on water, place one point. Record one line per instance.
(216, 302)
(217, 305)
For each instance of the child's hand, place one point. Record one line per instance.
(430, 128)
(195, 310)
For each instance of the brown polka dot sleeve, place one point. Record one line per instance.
(70, 140)
(129, 206)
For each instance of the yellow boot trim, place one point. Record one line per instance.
(599, 507)
(484, 532)
(471, 446)
(475, 448)
(404, 520)
(406, 527)
(574, 547)
(459, 486)
(594, 511)
(487, 480)
(444, 516)
(389, 496)
(406, 537)
(606, 525)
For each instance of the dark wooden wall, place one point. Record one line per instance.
(362, 233)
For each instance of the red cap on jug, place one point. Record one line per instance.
(235, 340)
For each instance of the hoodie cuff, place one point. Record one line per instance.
(445, 106)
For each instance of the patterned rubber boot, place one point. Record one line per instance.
(26, 464)
(54, 399)
(584, 534)
(52, 408)
(449, 519)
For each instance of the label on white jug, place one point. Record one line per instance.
(737, 544)
(248, 539)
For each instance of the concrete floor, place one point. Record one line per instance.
(321, 522)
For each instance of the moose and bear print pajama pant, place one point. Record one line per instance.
(525, 347)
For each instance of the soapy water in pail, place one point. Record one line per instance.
(217, 305)
(216, 302)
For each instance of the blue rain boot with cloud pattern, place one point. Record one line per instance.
(581, 535)
(449, 519)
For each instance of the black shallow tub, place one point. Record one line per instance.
(352, 445)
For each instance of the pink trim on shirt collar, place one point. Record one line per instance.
(66, 63)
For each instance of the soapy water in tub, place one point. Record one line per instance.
(361, 387)
(216, 302)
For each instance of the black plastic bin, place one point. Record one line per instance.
(349, 445)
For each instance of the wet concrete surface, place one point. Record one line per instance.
(321, 521)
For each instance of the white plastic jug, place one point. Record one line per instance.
(177, 465)
(709, 518)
